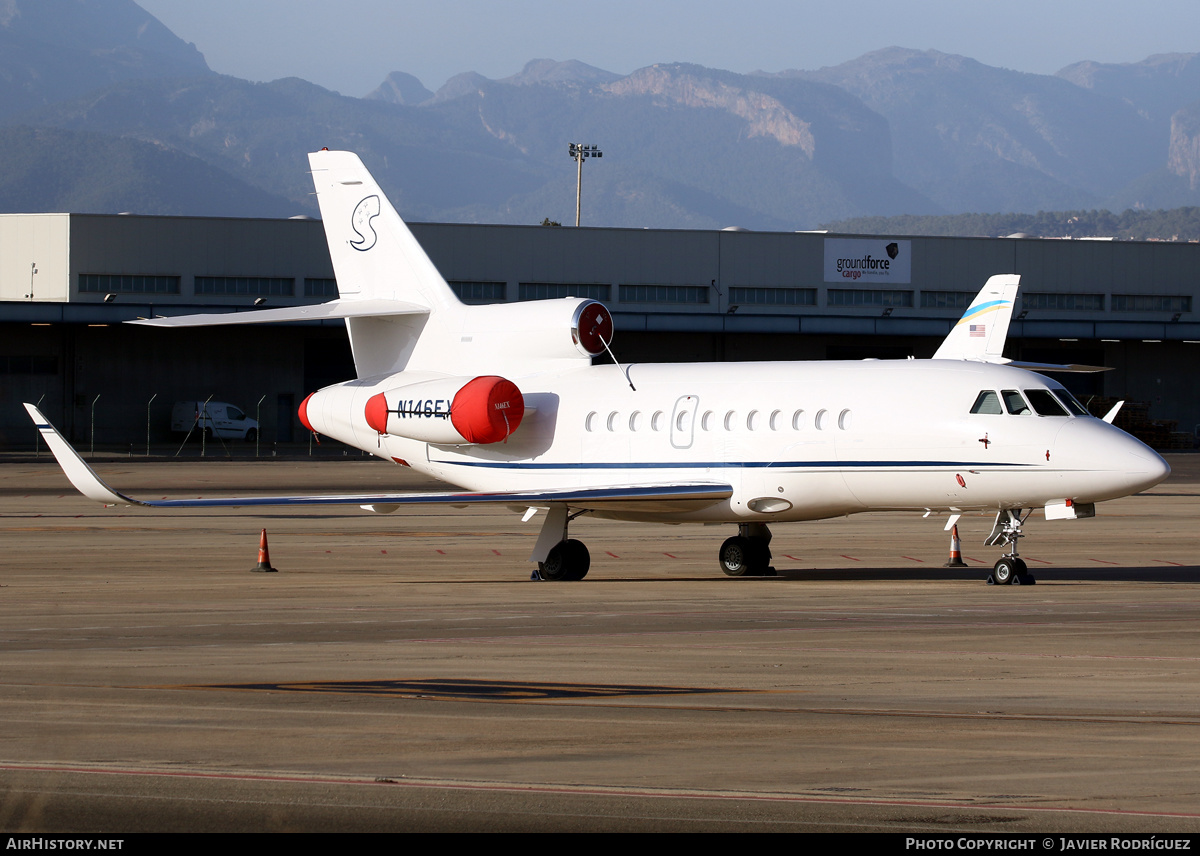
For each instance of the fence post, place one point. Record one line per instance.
(93, 426)
(148, 403)
(37, 434)
(204, 418)
(258, 419)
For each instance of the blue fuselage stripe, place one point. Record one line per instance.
(720, 465)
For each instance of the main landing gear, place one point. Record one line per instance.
(1009, 569)
(560, 557)
(568, 560)
(748, 554)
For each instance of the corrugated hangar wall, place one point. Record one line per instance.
(676, 296)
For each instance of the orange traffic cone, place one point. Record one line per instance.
(264, 557)
(955, 550)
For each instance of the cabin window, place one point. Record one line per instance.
(635, 420)
(656, 421)
(987, 403)
(730, 420)
(613, 419)
(776, 418)
(797, 420)
(589, 424)
(1015, 404)
(1070, 402)
(753, 420)
(683, 422)
(844, 419)
(1044, 403)
(821, 420)
(706, 421)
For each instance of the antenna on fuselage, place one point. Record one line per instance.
(624, 371)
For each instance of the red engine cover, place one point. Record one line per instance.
(487, 409)
(377, 413)
(303, 412)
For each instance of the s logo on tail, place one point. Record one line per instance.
(360, 221)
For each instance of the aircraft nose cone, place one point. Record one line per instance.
(1108, 463)
(1155, 467)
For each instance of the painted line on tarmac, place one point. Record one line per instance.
(965, 804)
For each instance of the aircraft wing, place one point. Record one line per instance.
(320, 312)
(678, 496)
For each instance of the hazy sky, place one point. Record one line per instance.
(351, 45)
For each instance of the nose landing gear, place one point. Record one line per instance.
(1010, 569)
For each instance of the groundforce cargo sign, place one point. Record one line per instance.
(876, 260)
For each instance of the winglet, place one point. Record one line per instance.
(981, 332)
(81, 475)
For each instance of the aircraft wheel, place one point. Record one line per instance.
(738, 557)
(568, 560)
(1004, 570)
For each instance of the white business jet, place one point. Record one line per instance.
(504, 401)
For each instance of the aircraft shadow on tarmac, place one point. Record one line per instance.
(467, 689)
(1145, 574)
(1189, 574)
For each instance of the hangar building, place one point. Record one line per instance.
(67, 281)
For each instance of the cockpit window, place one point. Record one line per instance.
(1015, 404)
(1044, 403)
(987, 402)
(1070, 402)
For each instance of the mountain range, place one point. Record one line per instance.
(104, 109)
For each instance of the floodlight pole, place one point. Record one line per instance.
(579, 151)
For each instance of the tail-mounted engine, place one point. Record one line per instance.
(449, 411)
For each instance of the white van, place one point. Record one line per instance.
(217, 419)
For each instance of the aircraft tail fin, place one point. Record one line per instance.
(374, 254)
(981, 332)
(389, 292)
(400, 313)
(375, 257)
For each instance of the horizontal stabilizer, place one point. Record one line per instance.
(321, 312)
(1055, 367)
(612, 497)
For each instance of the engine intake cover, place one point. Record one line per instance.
(452, 411)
